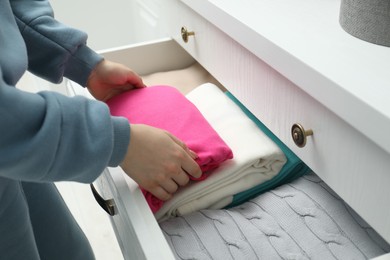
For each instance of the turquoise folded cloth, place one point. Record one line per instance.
(292, 169)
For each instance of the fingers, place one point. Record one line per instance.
(131, 78)
(181, 179)
(193, 154)
(158, 161)
(177, 141)
(171, 185)
(184, 146)
(188, 163)
(161, 193)
(191, 167)
(135, 81)
(166, 189)
(112, 93)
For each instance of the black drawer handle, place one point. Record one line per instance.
(107, 205)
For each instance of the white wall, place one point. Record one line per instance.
(107, 22)
(111, 23)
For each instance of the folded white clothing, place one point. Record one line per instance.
(256, 157)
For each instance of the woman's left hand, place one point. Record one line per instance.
(109, 79)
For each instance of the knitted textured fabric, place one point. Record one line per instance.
(304, 219)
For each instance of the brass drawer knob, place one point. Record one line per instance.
(185, 34)
(299, 134)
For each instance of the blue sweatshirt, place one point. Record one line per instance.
(48, 137)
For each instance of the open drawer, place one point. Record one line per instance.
(348, 160)
(137, 231)
(135, 226)
(343, 150)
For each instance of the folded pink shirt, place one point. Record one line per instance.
(166, 108)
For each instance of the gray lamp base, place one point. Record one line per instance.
(368, 20)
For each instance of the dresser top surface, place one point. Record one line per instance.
(304, 41)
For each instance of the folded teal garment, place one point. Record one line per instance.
(293, 168)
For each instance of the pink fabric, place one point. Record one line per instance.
(166, 108)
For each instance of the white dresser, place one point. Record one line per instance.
(288, 62)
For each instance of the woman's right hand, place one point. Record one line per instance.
(158, 161)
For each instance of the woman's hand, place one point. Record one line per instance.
(158, 161)
(109, 79)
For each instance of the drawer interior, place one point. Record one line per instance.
(162, 62)
(158, 62)
(150, 57)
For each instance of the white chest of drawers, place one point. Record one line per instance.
(288, 63)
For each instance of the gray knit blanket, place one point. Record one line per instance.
(304, 219)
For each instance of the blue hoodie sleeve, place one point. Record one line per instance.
(54, 50)
(46, 136)
(50, 137)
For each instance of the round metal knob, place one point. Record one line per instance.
(299, 134)
(185, 34)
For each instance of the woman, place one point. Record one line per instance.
(46, 137)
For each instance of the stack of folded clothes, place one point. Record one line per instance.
(256, 160)
(215, 103)
(239, 156)
(166, 108)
